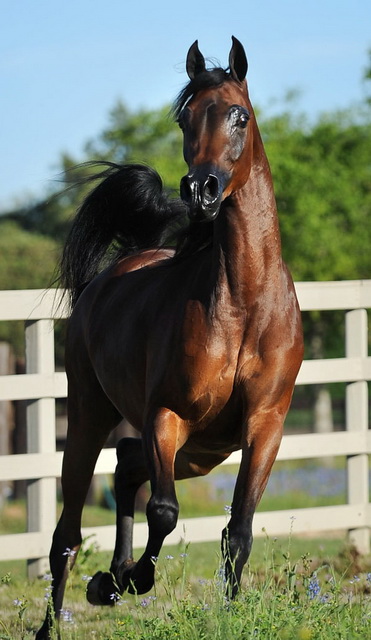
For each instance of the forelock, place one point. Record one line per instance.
(209, 78)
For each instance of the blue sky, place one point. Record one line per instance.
(64, 65)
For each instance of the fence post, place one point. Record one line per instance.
(41, 494)
(356, 345)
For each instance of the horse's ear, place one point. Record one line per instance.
(195, 61)
(237, 61)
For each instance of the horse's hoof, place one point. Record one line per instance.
(134, 578)
(102, 589)
(124, 576)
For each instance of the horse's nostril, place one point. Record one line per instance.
(211, 188)
(186, 190)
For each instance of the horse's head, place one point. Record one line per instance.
(214, 113)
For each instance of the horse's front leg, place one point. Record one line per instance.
(131, 472)
(161, 440)
(259, 451)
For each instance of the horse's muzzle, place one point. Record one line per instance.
(202, 192)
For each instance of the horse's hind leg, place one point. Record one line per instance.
(90, 419)
(131, 472)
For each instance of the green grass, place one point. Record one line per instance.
(292, 589)
(188, 602)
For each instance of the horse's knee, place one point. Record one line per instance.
(162, 516)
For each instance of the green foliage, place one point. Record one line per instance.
(148, 136)
(27, 261)
(323, 189)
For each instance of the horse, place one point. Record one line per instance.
(192, 332)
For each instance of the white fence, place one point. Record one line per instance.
(41, 385)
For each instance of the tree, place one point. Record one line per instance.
(27, 261)
(323, 190)
(148, 136)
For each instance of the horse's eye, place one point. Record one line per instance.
(243, 120)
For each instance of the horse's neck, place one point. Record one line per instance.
(247, 245)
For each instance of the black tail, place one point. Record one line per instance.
(129, 209)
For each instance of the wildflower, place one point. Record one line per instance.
(228, 509)
(154, 559)
(115, 597)
(17, 602)
(355, 579)
(313, 587)
(48, 592)
(66, 615)
(48, 577)
(169, 557)
(325, 598)
(185, 555)
(69, 552)
(120, 602)
(368, 577)
(221, 577)
(86, 578)
(145, 602)
(205, 607)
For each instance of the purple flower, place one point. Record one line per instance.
(114, 597)
(48, 577)
(48, 592)
(325, 598)
(145, 602)
(313, 587)
(86, 578)
(69, 552)
(66, 615)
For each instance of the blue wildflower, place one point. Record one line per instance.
(313, 587)
(66, 615)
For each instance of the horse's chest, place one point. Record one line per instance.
(203, 362)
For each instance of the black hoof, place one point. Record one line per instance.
(135, 579)
(102, 589)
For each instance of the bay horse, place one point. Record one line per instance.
(197, 346)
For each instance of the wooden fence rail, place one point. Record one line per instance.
(41, 466)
